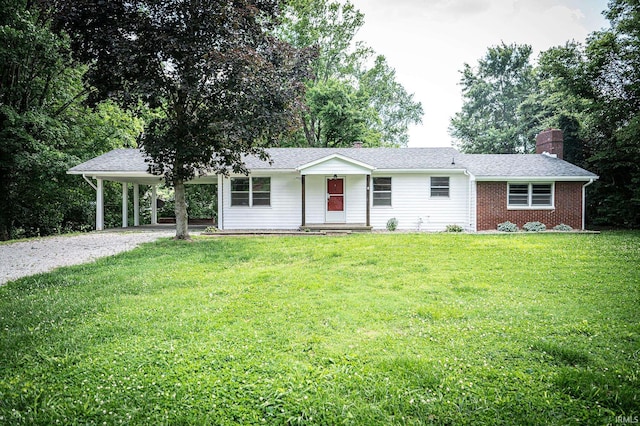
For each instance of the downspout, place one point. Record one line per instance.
(470, 206)
(584, 202)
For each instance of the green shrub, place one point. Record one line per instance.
(507, 227)
(534, 227)
(392, 224)
(562, 227)
(454, 228)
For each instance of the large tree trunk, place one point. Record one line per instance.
(182, 219)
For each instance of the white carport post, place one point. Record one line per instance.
(125, 204)
(154, 205)
(99, 205)
(136, 204)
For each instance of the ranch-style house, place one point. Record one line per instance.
(423, 188)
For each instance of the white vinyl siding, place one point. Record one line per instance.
(412, 205)
(356, 198)
(414, 208)
(316, 198)
(530, 195)
(284, 209)
(336, 166)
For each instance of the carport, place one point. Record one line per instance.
(127, 166)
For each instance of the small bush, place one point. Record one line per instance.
(507, 227)
(562, 227)
(454, 228)
(210, 230)
(534, 227)
(392, 224)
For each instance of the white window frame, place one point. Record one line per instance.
(250, 192)
(530, 205)
(373, 192)
(254, 191)
(431, 187)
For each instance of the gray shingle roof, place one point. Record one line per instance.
(380, 158)
(118, 160)
(480, 165)
(519, 165)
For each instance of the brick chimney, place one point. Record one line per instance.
(357, 144)
(550, 141)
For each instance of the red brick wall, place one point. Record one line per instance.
(492, 207)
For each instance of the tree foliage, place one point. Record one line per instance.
(44, 127)
(226, 86)
(340, 114)
(598, 82)
(591, 91)
(367, 102)
(491, 119)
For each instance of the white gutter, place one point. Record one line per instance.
(108, 174)
(95, 188)
(534, 178)
(584, 202)
(430, 171)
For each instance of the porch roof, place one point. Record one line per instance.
(335, 163)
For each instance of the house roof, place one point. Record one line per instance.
(117, 160)
(379, 158)
(487, 166)
(482, 166)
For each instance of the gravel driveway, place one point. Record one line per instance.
(30, 257)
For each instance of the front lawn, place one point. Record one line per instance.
(363, 329)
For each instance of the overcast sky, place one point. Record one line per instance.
(428, 41)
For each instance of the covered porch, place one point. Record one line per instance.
(336, 193)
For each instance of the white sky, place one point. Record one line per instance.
(428, 41)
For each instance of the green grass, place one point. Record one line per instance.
(364, 329)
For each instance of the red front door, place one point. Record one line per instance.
(335, 195)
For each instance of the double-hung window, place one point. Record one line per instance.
(261, 191)
(240, 193)
(439, 186)
(382, 191)
(251, 191)
(530, 195)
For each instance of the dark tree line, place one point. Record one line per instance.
(46, 126)
(591, 91)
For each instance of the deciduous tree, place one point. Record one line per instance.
(44, 128)
(226, 85)
(491, 120)
(381, 104)
(601, 80)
